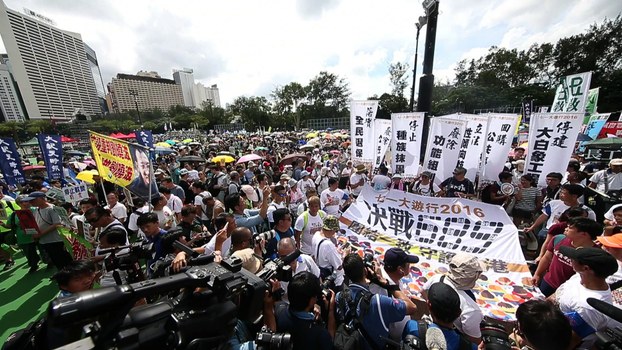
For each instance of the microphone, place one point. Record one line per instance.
(435, 339)
(606, 309)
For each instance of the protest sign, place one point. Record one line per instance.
(443, 150)
(473, 142)
(52, 151)
(594, 125)
(362, 116)
(382, 137)
(611, 129)
(435, 229)
(124, 164)
(11, 163)
(572, 93)
(76, 193)
(552, 138)
(407, 129)
(498, 144)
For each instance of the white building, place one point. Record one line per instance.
(145, 92)
(10, 106)
(195, 94)
(49, 66)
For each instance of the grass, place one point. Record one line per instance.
(23, 297)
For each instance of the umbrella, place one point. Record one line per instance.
(346, 144)
(335, 151)
(171, 142)
(215, 145)
(614, 143)
(307, 146)
(89, 162)
(163, 145)
(78, 165)
(87, 176)
(261, 148)
(314, 140)
(223, 159)
(187, 141)
(75, 153)
(64, 138)
(164, 150)
(194, 143)
(311, 135)
(33, 167)
(225, 153)
(191, 159)
(248, 158)
(288, 159)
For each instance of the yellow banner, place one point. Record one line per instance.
(113, 158)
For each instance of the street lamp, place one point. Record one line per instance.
(134, 93)
(422, 21)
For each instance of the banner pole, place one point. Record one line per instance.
(482, 160)
(151, 177)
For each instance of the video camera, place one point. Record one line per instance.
(279, 268)
(127, 258)
(202, 317)
(610, 338)
(494, 336)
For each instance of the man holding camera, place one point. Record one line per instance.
(304, 262)
(246, 217)
(327, 256)
(282, 229)
(381, 311)
(396, 265)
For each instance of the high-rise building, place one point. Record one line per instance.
(127, 91)
(91, 58)
(207, 94)
(10, 105)
(49, 65)
(185, 79)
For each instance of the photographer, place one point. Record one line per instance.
(444, 305)
(381, 311)
(150, 225)
(326, 254)
(297, 317)
(542, 326)
(396, 265)
(246, 217)
(282, 229)
(304, 262)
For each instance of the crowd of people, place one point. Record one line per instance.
(290, 199)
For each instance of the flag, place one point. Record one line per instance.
(382, 137)
(572, 93)
(52, 151)
(442, 151)
(10, 162)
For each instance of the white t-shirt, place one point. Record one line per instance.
(572, 296)
(346, 172)
(305, 185)
(381, 182)
(166, 218)
(314, 224)
(614, 180)
(609, 213)
(328, 257)
(210, 247)
(424, 190)
(471, 316)
(272, 207)
(354, 179)
(198, 200)
(304, 263)
(119, 211)
(332, 200)
(555, 208)
(175, 204)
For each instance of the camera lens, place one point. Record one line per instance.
(494, 336)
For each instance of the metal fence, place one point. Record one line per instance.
(505, 109)
(229, 127)
(326, 123)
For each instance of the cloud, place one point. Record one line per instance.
(314, 8)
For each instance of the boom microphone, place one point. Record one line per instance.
(606, 309)
(435, 339)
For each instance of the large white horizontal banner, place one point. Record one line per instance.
(552, 138)
(406, 143)
(435, 229)
(362, 116)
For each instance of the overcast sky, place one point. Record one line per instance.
(250, 47)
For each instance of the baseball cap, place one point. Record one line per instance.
(397, 257)
(360, 168)
(443, 298)
(614, 241)
(464, 265)
(397, 176)
(616, 161)
(250, 193)
(331, 223)
(304, 173)
(602, 263)
(427, 174)
(284, 177)
(183, 172)
(34, 195)
(249, 261)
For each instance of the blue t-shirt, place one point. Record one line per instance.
(452, 337)
(305, 333)
(382, 311)
(272, 244)
(157, 244)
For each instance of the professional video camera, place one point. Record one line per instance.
(267, 340)
(203, 317)
(494, 336)
(162, 268)
(611, 338)
(127, 258)
(278, 268)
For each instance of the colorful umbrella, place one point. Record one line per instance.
(261, 148)
(33, 167)
(163, 144)
(171, 142)
(248, 158)
(79, 165)
(187, 141)
(223, 159)
(164, 150)
(311, 135)
(335, 151)
(292, 157)
(87, 176)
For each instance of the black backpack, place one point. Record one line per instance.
(32, 337)
(350, 334)
(213, 182)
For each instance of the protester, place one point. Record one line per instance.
(458, 185)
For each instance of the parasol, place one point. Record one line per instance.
(87, 176)
(33, 167)
(223, 159)
(248, 158)
(292, 157)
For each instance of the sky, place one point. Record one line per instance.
(252, 47)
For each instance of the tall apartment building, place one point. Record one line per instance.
(10, 105)
(49, 65)
(210, 93)
(91, 58)
(195, 94)
(150, 93)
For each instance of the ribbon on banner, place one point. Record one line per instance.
(362, 116)
(11, 162)
(52, 151)
(442, 152)
(407, 129)
(552, 137)
(382, 136)
(435, 229)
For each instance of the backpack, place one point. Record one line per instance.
(213, 182)
(350, 334)
(305, 217)
(238, 187)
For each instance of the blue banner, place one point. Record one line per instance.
(52, 152)
(11, 163)
(144, 138)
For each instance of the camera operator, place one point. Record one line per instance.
(149, 223)
(396, 265)
(382, 310)
(542, 326)
(464, 270)
(304, 262)
(282, 229)
(298, 318)
(328, 258)
(102, 219)
(444, 305)
(243, 243)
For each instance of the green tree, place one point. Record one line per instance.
(254, 110)
(327, 97)
(388, 104)
(287, 100)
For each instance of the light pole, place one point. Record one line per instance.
(134, 93)
(422, 21)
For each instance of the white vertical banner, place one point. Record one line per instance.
(382, 135)
(501, 129)
(444, 141)
(572, 93)
(552, 138)
(407, 131)
(362, 116)
(472, 145)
